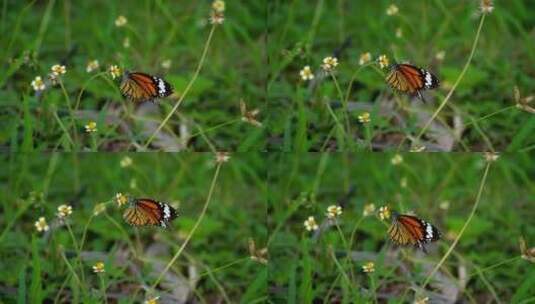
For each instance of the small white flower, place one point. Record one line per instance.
(153, 300)
(91, 66)
(41, 225)
(222, 157)
(364, 117)
(99, 208)
(120, 21)
(38, 84)
(306, 73)
(421, 301)
(486, 6)
(365, 58)
(368, 267)
(58, 69)
(399, 32)
(329, 63)
(392, 10)
(99, 267)
(383, 61)
(126, 162)
(115, 71)
(334, 211)
(369, 209)
(491, 156)
(440, 55)
(384, 213)
(310, 224)
(121, 199)
(166, 64)
(64, 211)
(403, 182)
(397, 159)
(218, 6)
(91, 127)
(417, 148)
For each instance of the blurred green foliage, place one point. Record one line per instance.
(304, 32)
(33, 186)
(306, 184)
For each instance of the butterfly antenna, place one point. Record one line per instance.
(421, 97)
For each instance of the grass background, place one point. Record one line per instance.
(215, 266)
(481, 114)
(39, 34)
(484, 267)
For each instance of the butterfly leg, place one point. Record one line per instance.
(421, 246)
(421, 96)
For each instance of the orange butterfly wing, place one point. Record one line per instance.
(413, 76)
(145, 82)
(139, 87)
(411, 230)
(148, 212)
(152, 210)
(414, 226)
(410, 79)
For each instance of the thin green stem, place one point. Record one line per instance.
(450, 93)
(103, 288)
(337, 122)
(121, 229)
(62, 126)
(186, 241)
(94, 146)
(71, 110)
(326, 141)
(372, 287)
(230, 122)
(368, 135)
(71, 269)
(344, 103)
(489, 115)
(340, 268)
(78, 251)
(84, 234)
(82, 90)
(482, 270)
(472, 213)
(202, 274)
(353, 78)
(186, 90)
(341, 235)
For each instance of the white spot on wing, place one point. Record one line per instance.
(166, 212)
(428, 80)
(161, 87)
(428, 231)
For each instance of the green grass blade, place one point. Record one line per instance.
(36, 288)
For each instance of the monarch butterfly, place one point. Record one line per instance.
(148, 212)
(411, 230)
(139, 87)
(410, 79)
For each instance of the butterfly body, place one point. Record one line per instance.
(410, 79)
(148, 212)
(411, 230)
(139, 87)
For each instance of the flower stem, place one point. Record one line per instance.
(452, 246)
(450, 93)
(186, 90)
(199, 220)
